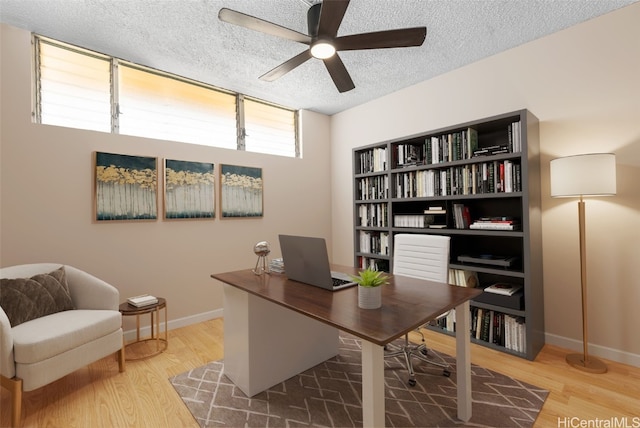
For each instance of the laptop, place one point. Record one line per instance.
(306, 260)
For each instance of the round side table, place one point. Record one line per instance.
(127, 309)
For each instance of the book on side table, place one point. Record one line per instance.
(142, 300)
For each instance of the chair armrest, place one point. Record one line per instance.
(7, 364)
(89, 292)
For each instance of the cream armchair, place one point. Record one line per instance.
(39, 351)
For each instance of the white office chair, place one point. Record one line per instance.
(425, 257)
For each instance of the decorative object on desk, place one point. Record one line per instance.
(241, 191)
(369, 291)
(125, 188)
(142, 300)
(189, 190)
(314, 399)
(262, 250)
(579, 176)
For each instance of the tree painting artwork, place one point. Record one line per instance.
(241, 194)
(189, 190)
(126, 187)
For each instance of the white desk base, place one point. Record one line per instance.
(265, 343)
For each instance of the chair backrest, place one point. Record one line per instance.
(421, 256)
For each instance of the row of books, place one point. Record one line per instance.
(455, 146)
(461, 216)
(492, 327)
(373, 160)
(451, 147)
(373, 215)
(498, 328)
(426, 220)
(376, 187)
(374, 242)
(373, 263)
(437, 149)
(481, 178)
(463, 278)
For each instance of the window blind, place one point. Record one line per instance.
(269, 129)
(73, 88)
(157, 106)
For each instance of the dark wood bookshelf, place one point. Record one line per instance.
(413, 188)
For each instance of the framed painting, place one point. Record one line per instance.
(241, 191)
(126, 187)
(189, 190)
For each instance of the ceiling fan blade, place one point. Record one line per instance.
(257, 24)
(400, 38)
(339, 73)
(331, 14)
(286, 66)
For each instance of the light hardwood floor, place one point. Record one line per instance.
(100, 396)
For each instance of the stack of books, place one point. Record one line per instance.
(276, 265)
(495, 223)
(142, 300)
(503, 288)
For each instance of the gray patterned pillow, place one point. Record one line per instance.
(25, 299)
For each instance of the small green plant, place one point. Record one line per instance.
(370, 278)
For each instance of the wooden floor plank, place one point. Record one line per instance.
(100, 396)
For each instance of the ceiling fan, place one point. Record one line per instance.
(323, 21)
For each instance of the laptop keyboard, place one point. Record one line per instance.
(338, 282)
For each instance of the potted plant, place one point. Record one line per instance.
(369, 291)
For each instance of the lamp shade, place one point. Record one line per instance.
(584, 175)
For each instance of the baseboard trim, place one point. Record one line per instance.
(552, 339)
(145, 331)
(595, 350)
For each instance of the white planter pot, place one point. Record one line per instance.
(369, 297)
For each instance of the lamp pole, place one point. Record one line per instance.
(583, 361)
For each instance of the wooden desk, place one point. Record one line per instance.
(252, 301)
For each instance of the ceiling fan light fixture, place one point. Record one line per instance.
(322, 49)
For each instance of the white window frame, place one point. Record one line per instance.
(114, 89)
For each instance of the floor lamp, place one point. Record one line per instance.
(579, 176)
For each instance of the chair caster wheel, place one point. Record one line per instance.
(446, 373)
(412, 382)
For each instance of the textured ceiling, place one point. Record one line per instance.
(185, 37)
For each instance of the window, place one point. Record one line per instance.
(81, 89)
(269, 129)
(159, 106)
(73, 88)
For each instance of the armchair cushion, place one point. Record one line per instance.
(52, 335)
(25, 299)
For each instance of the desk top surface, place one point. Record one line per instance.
(407, 303)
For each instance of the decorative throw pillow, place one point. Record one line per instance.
(25, 299)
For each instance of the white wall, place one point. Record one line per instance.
(583, 84)
(46, 202)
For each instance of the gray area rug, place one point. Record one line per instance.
(329, 395)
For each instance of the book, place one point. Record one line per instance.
(463, 278)
(503, 288)
(142, 300)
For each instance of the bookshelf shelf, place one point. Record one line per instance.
(485, 173)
